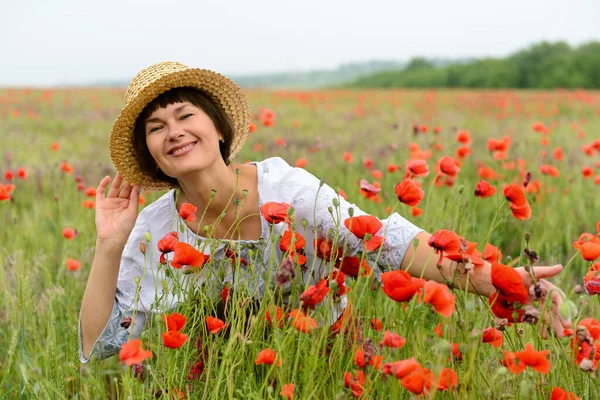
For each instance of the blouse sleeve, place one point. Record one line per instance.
(313, 199)
(114, 336)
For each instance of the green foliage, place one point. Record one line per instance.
(541, 66)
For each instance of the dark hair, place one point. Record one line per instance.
(191, 95)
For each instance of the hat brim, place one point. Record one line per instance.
(226, 93)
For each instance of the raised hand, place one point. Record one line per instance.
(117, 211)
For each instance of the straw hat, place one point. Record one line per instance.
(149, 84)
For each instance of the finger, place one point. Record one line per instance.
(101, 188)
(557, 299)
(134, 199)
(547, 272)
(114, 188)
(125, 190)
(553, 320)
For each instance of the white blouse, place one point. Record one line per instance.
(277, 182)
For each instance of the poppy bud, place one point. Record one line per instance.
(351, 211)
(148, 237)
(245, 193)
(567, 309)
(137, 280)
(335, 202)
(165, 286)
(526, 389)
(143, 247)
(330, 209)
(461, 189)
(236, 201)
(205, 228)
(138, 370)
(304, 222)
(213, 193)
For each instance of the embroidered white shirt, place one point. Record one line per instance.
(277, 182)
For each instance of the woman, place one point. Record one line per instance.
(180, 128)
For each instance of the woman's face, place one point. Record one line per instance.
(182, 139)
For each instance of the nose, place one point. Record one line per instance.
(174, 132)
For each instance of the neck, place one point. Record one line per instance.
(199, 188)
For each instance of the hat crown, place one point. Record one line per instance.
(149, 75)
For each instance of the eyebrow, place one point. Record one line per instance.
(156, 119)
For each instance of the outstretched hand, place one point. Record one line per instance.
(551, 317)
(117, 211)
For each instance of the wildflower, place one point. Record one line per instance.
(492, 336)
(522, 212)
(132, 353)
(484, 189)
(535, 359)
(392, 340)
(175, 321)
(467, 254)
(348, 157)
(293, 243)
(561, 394)
(365, 227)
(447, 379)
(287, 391)
(376, 324)
(417, 167)
(174, 339)
(54, 146)
(9, 175)
(21, 173)
(5, 191)
(355, 383)
(301, 162)
(69, 233)
(274, 313)
(491, 253)
(90, 191)
(449, 166)
(286, 271)
(444, 241)
(400, 286)
(274, 212)
(187, 255)
(168, 242)
(549, 170)
(588, 246)
(504, 309)
(368, 190)
(440, 297)
(91, 204)
(126, 322)
(509, 283)
(401, 368)
(268, 356)
(416, 211)
(73, 265)
(214, 325)
(187, 212)
(409, 192)
(515, 194)
(314, 294)
(302, 322)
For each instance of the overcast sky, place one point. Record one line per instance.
(77, 41)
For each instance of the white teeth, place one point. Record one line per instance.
(183, 148)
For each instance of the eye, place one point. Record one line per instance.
(185, 116)
(154, 129)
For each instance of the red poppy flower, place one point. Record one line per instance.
(400, 286)
(592, 326)
(467, 253)
(588, 246)
(275, 313)
(561, 394)
(287, 391)
(549, 170)
(417, 167)
(509, 283)
(392, 340)
(449, 166)
(409, 192)
(444, 241)
(511, 362)
(515, 194)
(440, 297)
(187, 212)
(484, 189)
(356, 384)
(21, 173)
(352, 266)
(401, 368)
(132, 353)
(66, 167)
(366, 227)
(174, 339)
(522, 212)
(187, 255)
(502, 308)
(535, 359)
(91, 204)
(302, 322)
(491, 253)
(214, 325)
(325, 250)
(348, 157)
(69, 233)
(168, 242)
(73, 265)
(90, 191)
(447, 379)
(376, 324)
(367, 190)
(275, 213)
(414, 382)
(492, 336)
(268, 356)
(174, 322)
(314, 294)
(293, 242)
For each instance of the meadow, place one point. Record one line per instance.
(55, 151)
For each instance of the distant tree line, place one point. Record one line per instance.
(541, 66)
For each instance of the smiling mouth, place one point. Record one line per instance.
(183, 149)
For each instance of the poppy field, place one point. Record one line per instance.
(510, 178)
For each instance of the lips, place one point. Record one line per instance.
(181, 149)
